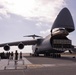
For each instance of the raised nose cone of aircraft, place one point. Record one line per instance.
(64, 20)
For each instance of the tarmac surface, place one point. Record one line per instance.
(66, 65)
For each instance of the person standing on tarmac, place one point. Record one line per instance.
(20, 55)
(11, 55)
(16, 57)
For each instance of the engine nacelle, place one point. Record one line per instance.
(6, 47)
(20, 45)
(60, 31)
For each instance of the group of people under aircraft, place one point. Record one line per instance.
(11, 55)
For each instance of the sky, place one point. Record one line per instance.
(25, 17)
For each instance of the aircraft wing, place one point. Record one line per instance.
(26, 42)
(20, 44)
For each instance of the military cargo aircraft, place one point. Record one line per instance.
(55, 43)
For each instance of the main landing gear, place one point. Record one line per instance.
(35, 54)
(47, 54)
(55, 55)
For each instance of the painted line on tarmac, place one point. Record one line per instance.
(26, 61)
(49, 65)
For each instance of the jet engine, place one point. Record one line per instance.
(20, 45)
(7, 47)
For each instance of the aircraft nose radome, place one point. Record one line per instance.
(64, 20)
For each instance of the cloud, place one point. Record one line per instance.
(44, 33)
(1, 6)
(42, 24)
(3, 11)
(44, 10)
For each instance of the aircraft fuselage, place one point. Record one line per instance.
(53, 44)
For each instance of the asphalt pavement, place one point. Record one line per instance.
(66, 65)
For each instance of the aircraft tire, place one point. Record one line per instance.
(59, 55)
(47, 54)
(36, 54)
(55, 55)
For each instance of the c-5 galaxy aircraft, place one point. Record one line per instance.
(55, 43)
